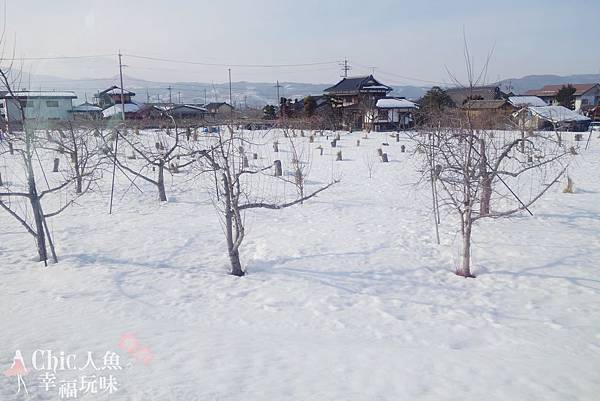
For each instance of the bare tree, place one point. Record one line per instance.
(238, 186)
(481, 174)
(83, 148)
(300, 153)
(159, 154)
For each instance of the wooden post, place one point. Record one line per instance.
(55, 168)
(1, 180)
(384, 158)
(397, 137)
(255, 156)
(358, 142)
(320, 150)
(311, 139)
(334, 143)
(338, 156)
(278, 171)
(245, 162)
(11, 149)
(402, 149)
(276, 147)
(379, 152)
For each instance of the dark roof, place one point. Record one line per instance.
(216, 105)
(484, 104)
(353, 85)
(112, 88)
(552, 90)
(460, 95)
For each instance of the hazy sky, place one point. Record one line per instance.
(416, 39)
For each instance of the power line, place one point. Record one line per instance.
(230, 65)
(62, 57)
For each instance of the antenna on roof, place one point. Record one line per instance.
(345, 68)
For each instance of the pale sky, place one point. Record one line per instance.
(408, 42)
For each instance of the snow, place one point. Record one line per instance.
(347, 297)
(396, 104)
(117, 109)
(557, 114)
(86, 107)
(522, 101)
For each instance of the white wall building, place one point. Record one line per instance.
(39, 106)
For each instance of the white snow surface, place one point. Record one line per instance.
(347, 296)
(396, 104)
(117, 109)
(521, 101)
(558, 114)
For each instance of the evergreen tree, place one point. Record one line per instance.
(435, 99)
(566, 96)
(269, 112)
(310, 104)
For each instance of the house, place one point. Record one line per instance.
(550, 118)
(461, 95)
(392, 114)
(87, 111)
(586, 95)
(488, 113)
(112, 96)
(218, 107)
(355, 97)
(39, 106)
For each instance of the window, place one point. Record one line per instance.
(51, 103)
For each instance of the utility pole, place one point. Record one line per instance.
(179, 97)
(169, 88)
(230, 97)
(345, 68)
(278, 98)
(112, 186)
(205, 102)
(147, 96)
(122, 90)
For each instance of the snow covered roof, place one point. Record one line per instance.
(522, 101)
(557, 114)
(396, 104)
(87, 107)
(117, 108)
(42, 94)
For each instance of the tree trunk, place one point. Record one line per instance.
(236, 266)
(486, 182)
(55, 166)
(465, 268)
(232, 249)
(162, 195)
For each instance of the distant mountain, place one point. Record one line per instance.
(252, 94)
(522, 85)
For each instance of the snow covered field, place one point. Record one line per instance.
(347, 297)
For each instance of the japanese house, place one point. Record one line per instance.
(355, 98)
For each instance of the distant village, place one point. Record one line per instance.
(353, 103)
